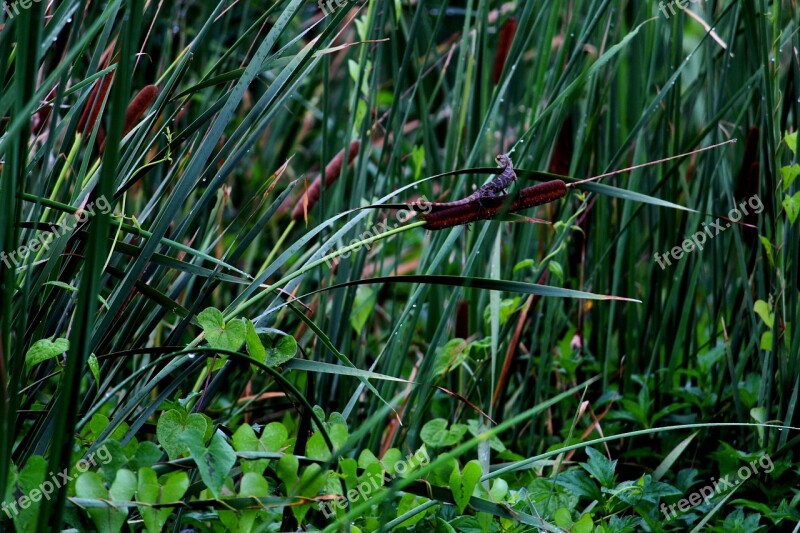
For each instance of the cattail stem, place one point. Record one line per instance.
(576, 183)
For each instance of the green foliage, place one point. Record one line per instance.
(44, 350)
(154, 490)
(110, 519)
(198, 356)
(463, 483)
(176, 429)
(220, 334)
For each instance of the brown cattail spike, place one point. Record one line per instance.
(140, 103)
(136, 109)
(487, 208)
(503, 47)
(94, 104)
(543, 193)
(332, 172)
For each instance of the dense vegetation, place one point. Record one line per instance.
(220, 312)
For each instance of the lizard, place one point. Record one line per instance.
(494, 188)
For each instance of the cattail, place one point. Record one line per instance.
(94, 104)
(136, 109)
(332, 172)
(542, 193)
(140, 103)
(562, 155)
(503, 47)
(101, 136)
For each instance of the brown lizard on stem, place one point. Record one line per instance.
(496, 187)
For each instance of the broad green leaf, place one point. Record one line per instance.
(791, 142)
(316, 448)
(115, 457)
(245, 440)
(600, 467)
(349, 473)
(391, 458)
(173, 425)
(366, 458)
(789, 174)
(764, 310)
(170, 488)
(214, 462)
(107, 519)
(463, 483)
(450, 356)
(792, 206)
(274, 436)
(583, 525)
(508, 306)
(29, 483)
(440, 475)
(98, 424)
(409, 502)
(147, 454)
(766, 341)
(372, 478)
(362, 307)
(44, 350)
(284, 350)
(436, 435)
(252, 486)
(124, 486)
(287, 472)
(311, 482)
(221, 335)
(563, 518)
(499, 490)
